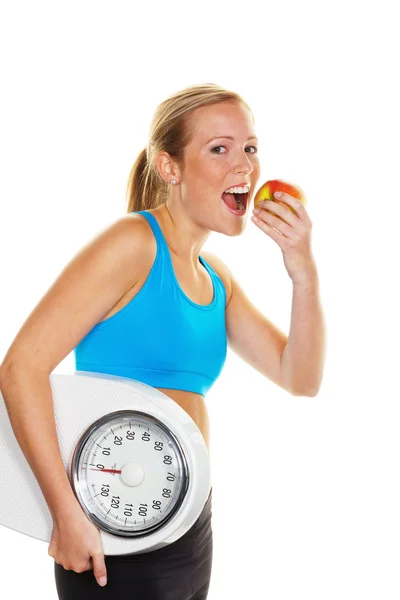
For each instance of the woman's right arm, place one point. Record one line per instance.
(28, 399)
(85, 291)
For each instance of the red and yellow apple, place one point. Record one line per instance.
(268, 189)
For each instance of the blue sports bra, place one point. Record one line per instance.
(161, 337)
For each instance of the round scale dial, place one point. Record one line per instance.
(129, 473)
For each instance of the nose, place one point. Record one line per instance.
(245, 166)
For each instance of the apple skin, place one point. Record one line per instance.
(268, 189)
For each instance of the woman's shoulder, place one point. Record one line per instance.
(136, 235)
(135, 225)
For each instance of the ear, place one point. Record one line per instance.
(167, 167)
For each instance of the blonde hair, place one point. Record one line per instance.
(170, 132)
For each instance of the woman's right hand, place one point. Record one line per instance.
(76, 544)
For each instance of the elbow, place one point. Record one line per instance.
(305, 389)
(300, 387)
(1, 374)
(4, 369)
(309, 393)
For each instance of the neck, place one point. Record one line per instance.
(185, 239)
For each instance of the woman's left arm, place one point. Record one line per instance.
(295, 363)
(303, 357)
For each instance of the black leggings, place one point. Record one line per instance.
(178, 571)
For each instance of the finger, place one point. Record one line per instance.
(293, 202)
(99, 567)
(268, 229)
(277, 223)
(275, 208)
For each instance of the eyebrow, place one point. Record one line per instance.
(229, 137)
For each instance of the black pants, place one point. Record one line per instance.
(178, 571)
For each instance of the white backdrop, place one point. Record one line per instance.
(305, 490)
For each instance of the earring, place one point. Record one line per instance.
(173, 181)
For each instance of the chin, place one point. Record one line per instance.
(231, 227)
(238, 230)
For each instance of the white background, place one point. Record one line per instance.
(305, 490)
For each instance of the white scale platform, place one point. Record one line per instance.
(154, 516)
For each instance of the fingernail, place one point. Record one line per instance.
(102, 580)
(278, 194)
(256, 211)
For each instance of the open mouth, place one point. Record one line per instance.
(236, 202)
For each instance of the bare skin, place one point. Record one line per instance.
(194, 208)
(113, 269)
(197, 285)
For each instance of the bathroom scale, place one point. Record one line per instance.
(136, 461)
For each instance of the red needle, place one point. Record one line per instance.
(107, 470)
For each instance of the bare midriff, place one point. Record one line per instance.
(195, 405)
(199, 288)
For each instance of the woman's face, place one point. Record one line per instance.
(211, 167)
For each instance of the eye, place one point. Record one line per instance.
(216, 148)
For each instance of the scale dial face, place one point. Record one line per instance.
(129, 473)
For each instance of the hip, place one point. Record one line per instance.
(179, 570)
(193, 545)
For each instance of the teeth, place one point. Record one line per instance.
(238, 190)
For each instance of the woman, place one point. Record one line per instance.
(141, 302)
